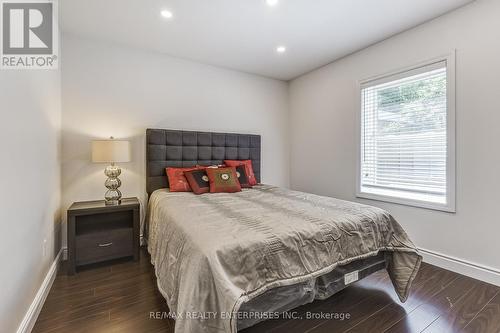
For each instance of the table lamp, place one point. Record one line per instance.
(111, 151)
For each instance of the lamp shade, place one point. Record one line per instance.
(110, 151)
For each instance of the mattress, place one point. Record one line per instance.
(215, 255)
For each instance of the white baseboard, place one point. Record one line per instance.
(473, 270)
(31, 315)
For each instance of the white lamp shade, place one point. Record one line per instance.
(110, 151)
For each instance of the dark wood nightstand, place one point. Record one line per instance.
(97, 232)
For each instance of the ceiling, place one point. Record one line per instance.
(244, 34)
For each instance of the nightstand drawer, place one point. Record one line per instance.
(104, 245)
(99, 232)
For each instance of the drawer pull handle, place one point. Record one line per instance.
(105, 245)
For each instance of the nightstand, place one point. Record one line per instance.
(97, 232)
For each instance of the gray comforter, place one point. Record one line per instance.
(213, 252)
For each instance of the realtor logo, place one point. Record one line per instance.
(29, 34)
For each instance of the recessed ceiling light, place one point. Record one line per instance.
(167, 14)
(272, 2)
(281, 49)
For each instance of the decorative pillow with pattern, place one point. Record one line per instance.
(198, 181)
(241, 173)
(177, 181)
(248, 168)
(223, 180)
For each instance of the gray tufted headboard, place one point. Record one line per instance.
(173, 148)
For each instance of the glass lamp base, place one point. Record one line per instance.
(113, 196)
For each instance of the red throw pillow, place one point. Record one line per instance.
(223, 180)
(177, 181)
(248, 167)
(198, 181)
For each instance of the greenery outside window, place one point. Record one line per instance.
(407, 137)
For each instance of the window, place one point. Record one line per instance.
(407, 137)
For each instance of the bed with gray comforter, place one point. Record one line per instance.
(214, 253)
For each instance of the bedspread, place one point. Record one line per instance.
(213, 252)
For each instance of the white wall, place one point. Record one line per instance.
(323, 110)
(120, 91)
(30, 186)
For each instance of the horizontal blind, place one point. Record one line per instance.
(404, 133)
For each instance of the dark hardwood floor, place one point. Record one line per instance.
(121, 296)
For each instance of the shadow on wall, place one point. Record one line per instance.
(30, 178)
(57, 241)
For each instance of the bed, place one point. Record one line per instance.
(227, 261)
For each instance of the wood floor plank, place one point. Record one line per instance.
(117, 297)
(430, 309)
(425, 291)
(377, 298)
(461, 313)
(424, 287)
(75, 324)
(488, 319)
(95, 305)
(104, 280)
(104, 296)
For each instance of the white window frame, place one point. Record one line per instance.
(450, 205)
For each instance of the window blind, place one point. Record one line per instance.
(404, 135)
